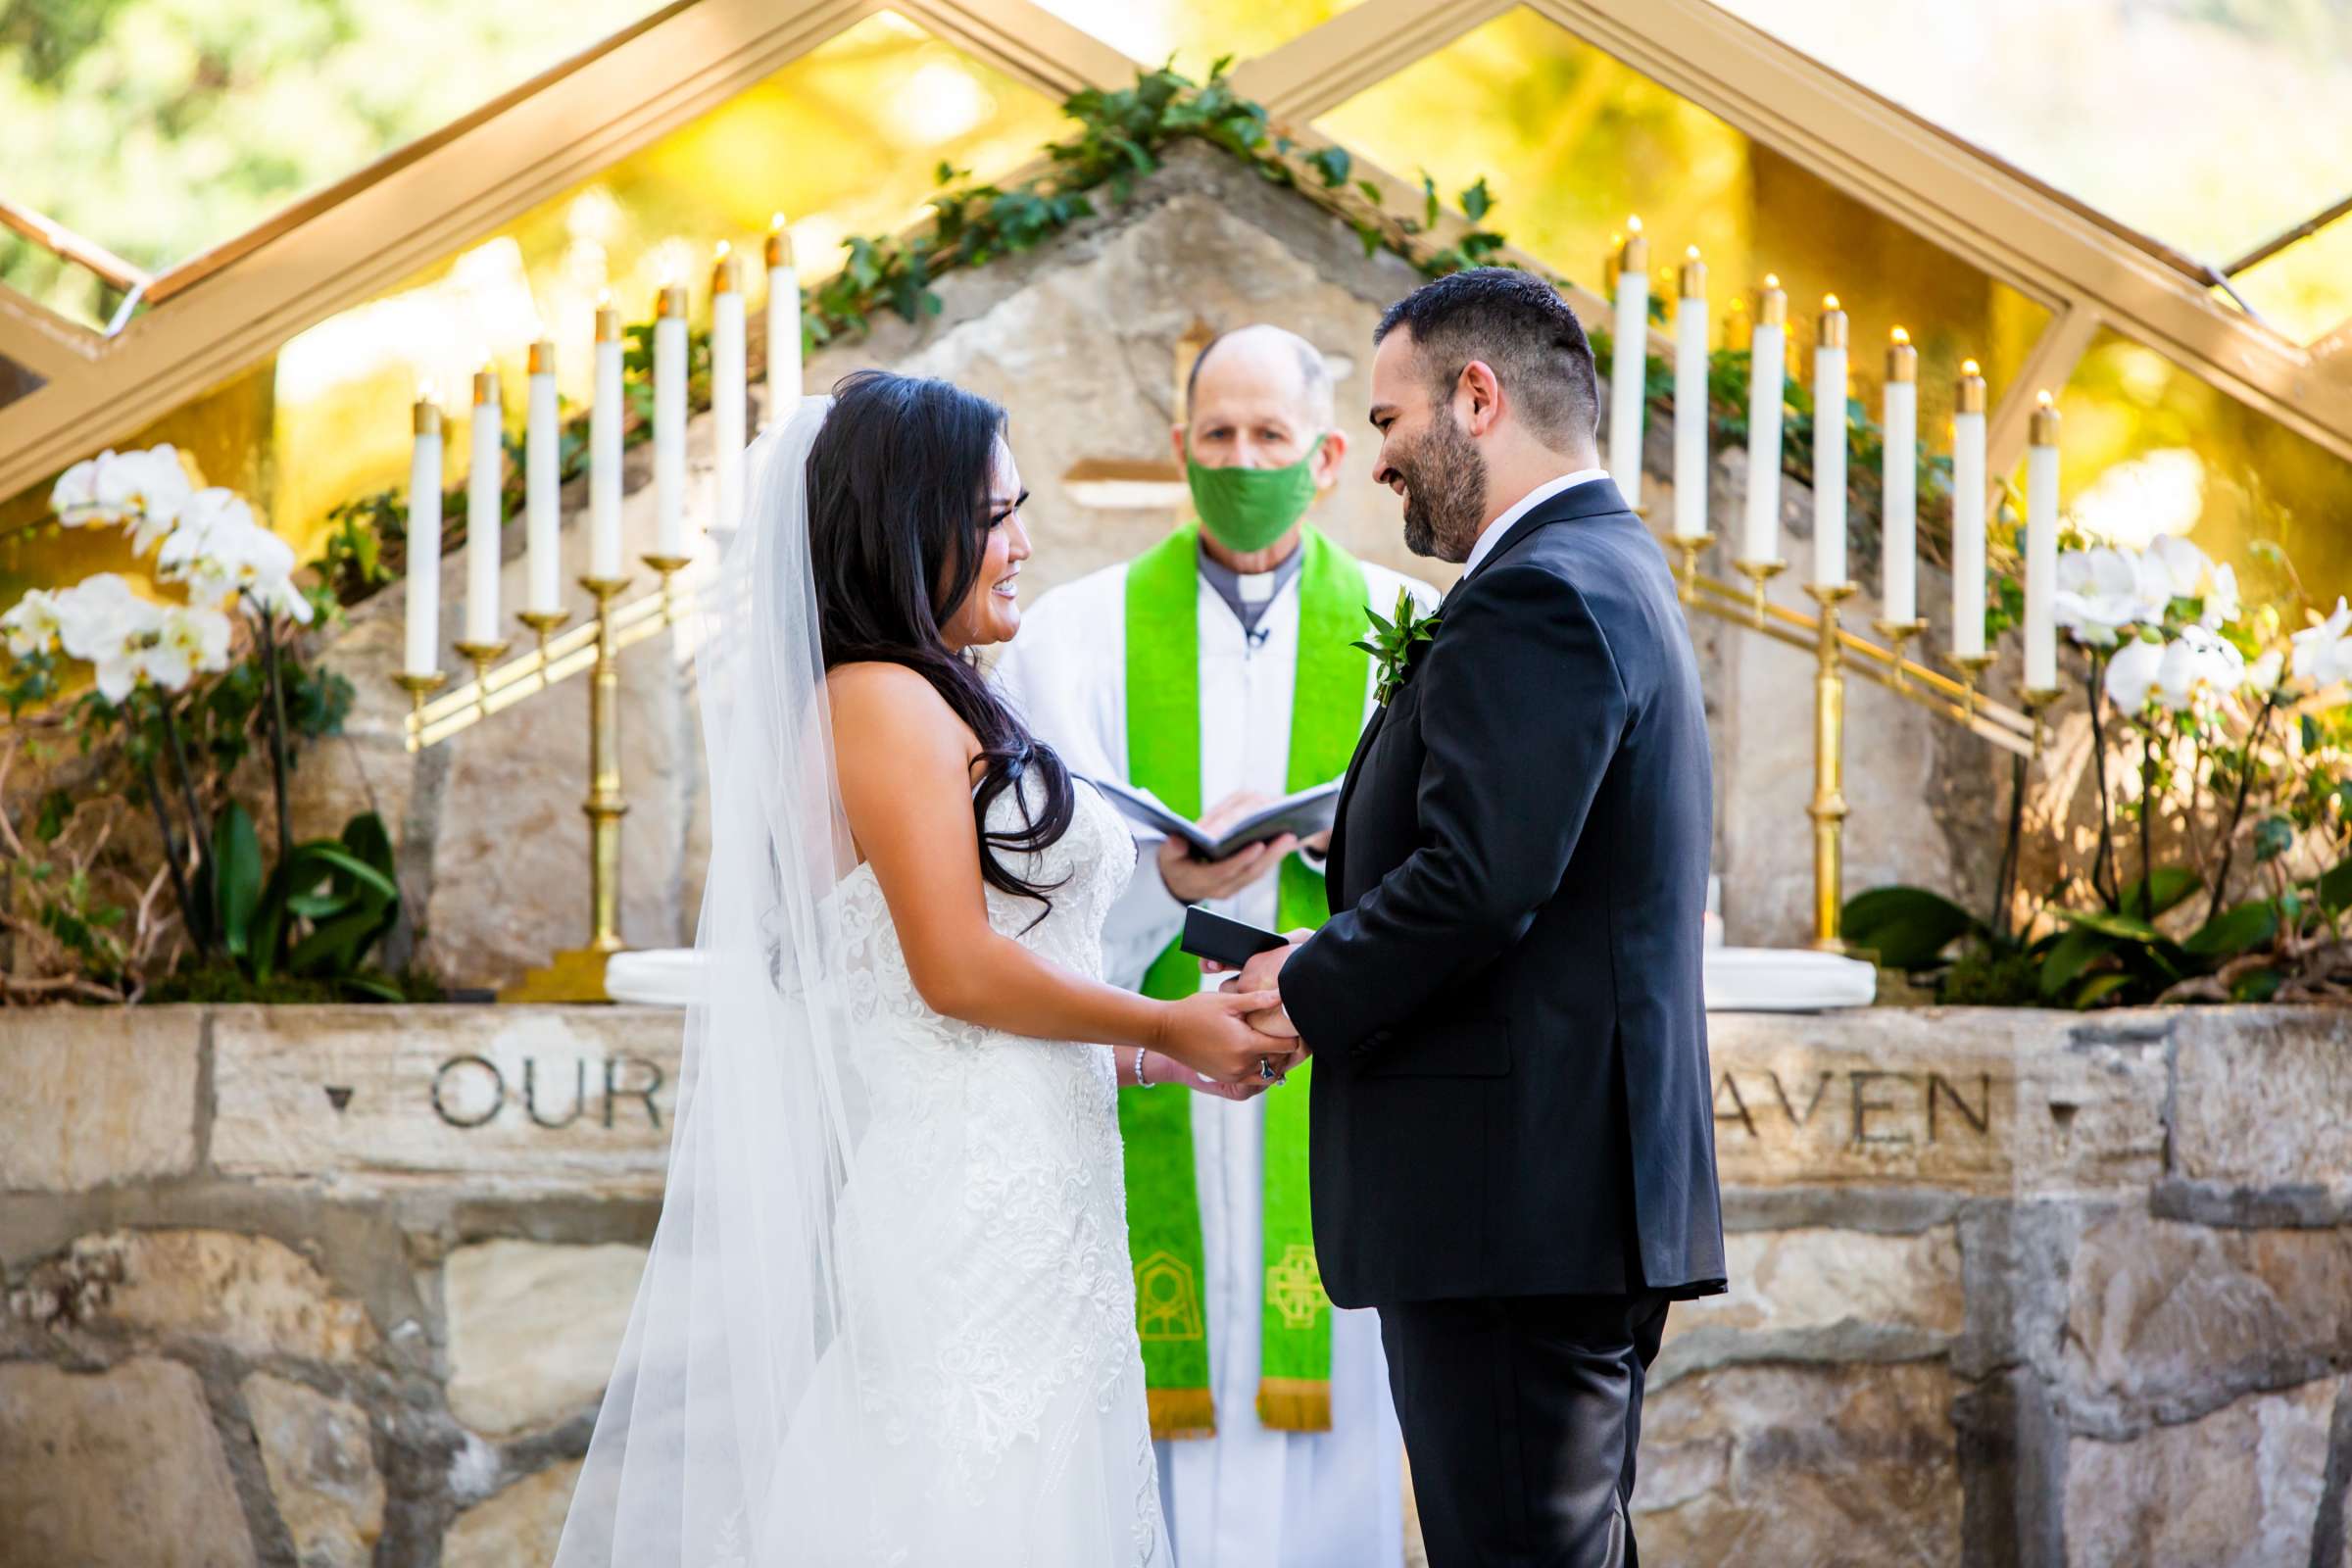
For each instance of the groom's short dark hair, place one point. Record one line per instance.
(1524, 331)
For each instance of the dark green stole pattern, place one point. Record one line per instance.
(1164, 1206)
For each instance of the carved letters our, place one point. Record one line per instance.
(471, 1091)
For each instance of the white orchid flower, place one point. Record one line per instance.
(104, 622)
(97, 612)
(33, 623)
(2263, 674)
(2186, 565)
(2220, 599)
(2102, 590)
(142, 490)
(187, 638)
(2131, 675)
(2323, 654)
(221, 549)
(2197, 661)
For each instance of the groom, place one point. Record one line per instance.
(1512, 1155)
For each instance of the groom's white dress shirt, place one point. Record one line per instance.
(1252, 1496)
(1526, 503)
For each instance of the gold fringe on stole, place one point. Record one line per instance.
(1294, 1404)
(1182, 1414)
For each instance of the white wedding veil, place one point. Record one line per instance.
(741, 1300)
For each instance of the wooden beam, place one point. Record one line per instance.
(36, 337)
(1025, 41)
(1954, 194)
(1363, 45)
(60, 241)
(596, 109)
(2053, 359)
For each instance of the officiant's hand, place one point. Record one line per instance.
(1198, 881)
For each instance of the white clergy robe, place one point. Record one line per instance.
(1251, 1496)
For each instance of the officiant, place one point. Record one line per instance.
(1216, 671)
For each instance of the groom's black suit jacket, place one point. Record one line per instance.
(1511, 1092)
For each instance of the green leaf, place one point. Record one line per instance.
(1907, 927)
(1333, 163)
(1477, 201)
(2311, 733)
(368, 985)
(2256, 985)
(236, 878)
(2098, 988)
(2235, 931)
(56, 808)
(2172, 885)
(2130, 928)
(315, 860)
(2334, 887)
(2073, 952)
(2274, 836)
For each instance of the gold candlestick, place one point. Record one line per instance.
(543, 623)
(1972, 669)
(2037, 701)
(419, 687)
(482, 656)
(1686, 573)
(1758, 573)
(578, 974)
(669, 567)
(1897, 633)
(1829, 809)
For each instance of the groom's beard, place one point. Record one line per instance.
(1444, 491)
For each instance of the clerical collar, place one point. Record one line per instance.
(1249, 598)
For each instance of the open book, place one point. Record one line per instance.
(1306, 813)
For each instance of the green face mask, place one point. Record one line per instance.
(1248, 509)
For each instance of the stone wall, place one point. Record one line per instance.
(1077, 340)
(342, 1286)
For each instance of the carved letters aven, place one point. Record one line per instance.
(1883, 1109)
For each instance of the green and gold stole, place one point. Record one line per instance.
(1163, 1202)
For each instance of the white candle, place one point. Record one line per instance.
(1691, 399)
(421, 655)
(1898, 542)
(1628, 364)
(485, 513)
(783, 325)
(670, 422)
(1768, 362)
(2041, 549)
(1968, 515)
(604, 450)
(728, 388)
(543, 518)
(1829, 447)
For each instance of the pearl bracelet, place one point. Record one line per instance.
(1141, 1082)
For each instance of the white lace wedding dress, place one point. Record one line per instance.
(995, 1411)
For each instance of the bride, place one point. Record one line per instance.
(889, 1315)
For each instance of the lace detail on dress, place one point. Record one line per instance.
(991, 1170)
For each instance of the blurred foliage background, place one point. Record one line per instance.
(162, 127)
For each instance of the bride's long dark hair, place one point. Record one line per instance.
(897, 524)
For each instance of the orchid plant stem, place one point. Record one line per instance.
(197, 858)
(2103, 858)
(2147, 823)
(2005, 885)
(179, 877)
(2238, 812)
(278, 735)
